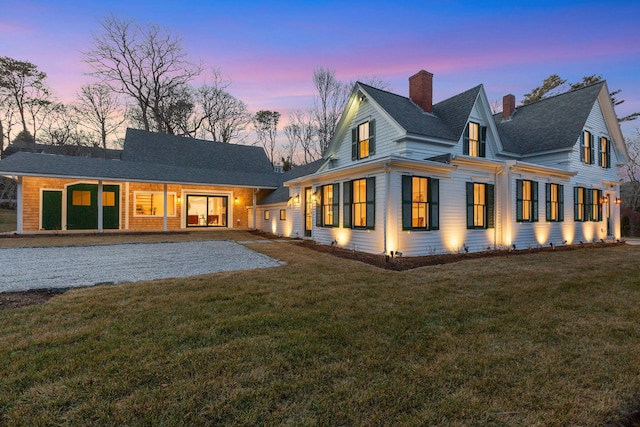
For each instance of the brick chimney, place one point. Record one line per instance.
(508, 106)
(421, 90)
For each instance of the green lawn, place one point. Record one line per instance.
(7, 220)
(548, 338)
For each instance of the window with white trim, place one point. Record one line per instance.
(152, 204)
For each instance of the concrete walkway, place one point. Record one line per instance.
(74, 266)
(632, 240)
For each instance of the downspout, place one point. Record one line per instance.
(255, 192)
(165, 208)
(19, 207)
(126, 205)
(387, 179)
(496, 173)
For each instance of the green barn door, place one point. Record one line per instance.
(111, 207)
(82, 207)
(51, 210)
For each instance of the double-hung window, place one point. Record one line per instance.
(475, 140)
(554, 202)
(359, 203)
(480, 205)
(420, 199)
(586, 147)
(363, 142)
(579, 203)
(526, 201)
(587, 204)
(327, 214)
(605, 152)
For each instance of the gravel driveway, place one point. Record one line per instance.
(62, 267)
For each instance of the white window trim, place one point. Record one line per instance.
(161, 193)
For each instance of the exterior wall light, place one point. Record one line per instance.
(236, 201)
(618, 201)
(296, 199)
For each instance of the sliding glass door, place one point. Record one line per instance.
(207, 211)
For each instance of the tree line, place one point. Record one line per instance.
(142, 78)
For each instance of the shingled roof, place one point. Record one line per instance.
(282, 193)
(163, 149)
(447, 121)
(187, 161)
(549, 124)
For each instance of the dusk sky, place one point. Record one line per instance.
(270, 49)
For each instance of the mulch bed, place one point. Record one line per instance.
(408, 263)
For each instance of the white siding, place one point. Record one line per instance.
(371, 241)
(385, 136)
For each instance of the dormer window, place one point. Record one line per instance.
(475, 140)
(363, 140)
(586, 148)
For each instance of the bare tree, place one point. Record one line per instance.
(23, 83)
(99, 109)
(631, 172)
(265, 124)
(8, 189)
(302, 132)
(61, 126)
(331, 100)
(328, 105)
(39, 105)
(143, 62)
(225, 117)
(7, 120)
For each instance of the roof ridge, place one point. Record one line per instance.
(476, 87)
(409, 98)
(570, 91)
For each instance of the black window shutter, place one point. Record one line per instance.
(336, 205)
(434, 202)
(470, 205)
(319, 218)
(547, 208)
(354, 143)
(576, 206)
(465, 142)
(518, 200)
(600, 147)
(371, 202)
(372, 137)
(591, 149)
(406, 202)
(608, 165)
(346, 210)
(491, 205)
(483, 141)
(534, 200)
(582, 147)
(588, 205)
(560, 203)
(599, 205)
